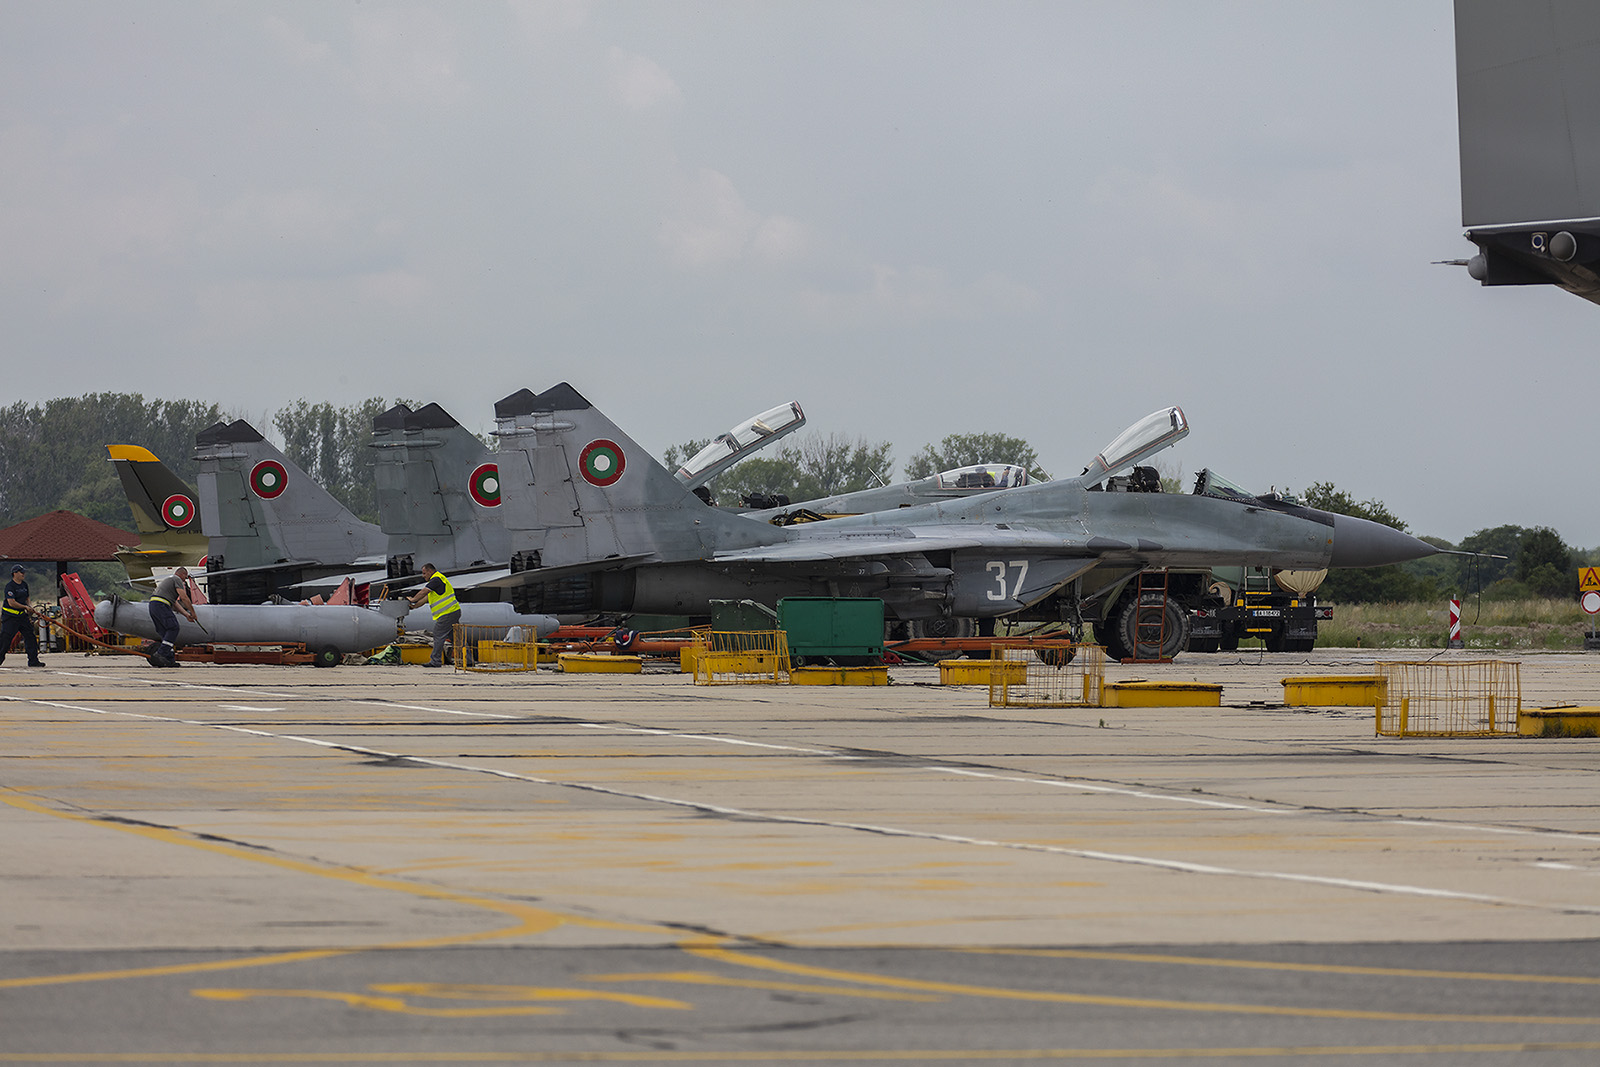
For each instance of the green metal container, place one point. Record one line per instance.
(742, 616)
(847, 630)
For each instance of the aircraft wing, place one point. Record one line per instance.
(462, 580)
(509, 579)
(900, 541)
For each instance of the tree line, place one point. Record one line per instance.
(52, 456)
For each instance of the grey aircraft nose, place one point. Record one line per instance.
(1364, 543)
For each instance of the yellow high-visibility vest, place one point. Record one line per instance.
(442, 604)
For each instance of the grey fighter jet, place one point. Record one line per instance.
(1157, 431)
(597, 524)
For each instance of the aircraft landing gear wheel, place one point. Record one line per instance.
(941, 626)
(1148, 610)
(1105, 633)
(1055, 657)
(327, 657)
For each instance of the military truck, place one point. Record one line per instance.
(1278, 607)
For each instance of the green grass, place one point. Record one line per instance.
(1533, 623)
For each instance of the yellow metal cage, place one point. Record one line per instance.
(1046, 674)
(741, 657)
(494, 649)
(1471, 698)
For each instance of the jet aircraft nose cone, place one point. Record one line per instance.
(1364, 543)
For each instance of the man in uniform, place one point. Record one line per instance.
(173, 590)
(442, 605)
(16, 618)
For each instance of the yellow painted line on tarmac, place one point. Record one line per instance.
(1273, 965)
(747, 959)
(710, 978)
(515, 1000)
(529, 920)
(939, 1055)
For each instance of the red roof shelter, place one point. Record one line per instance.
(62, 537)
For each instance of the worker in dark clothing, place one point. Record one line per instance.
(17, 620)
(172, 591)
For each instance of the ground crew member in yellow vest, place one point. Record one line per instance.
(15, 618)
(441, 597)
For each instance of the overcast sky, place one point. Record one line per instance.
(916, 218)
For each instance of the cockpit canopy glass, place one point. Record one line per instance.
(1151, 434)
(1210, 483)
(742, 439)
(982, 476)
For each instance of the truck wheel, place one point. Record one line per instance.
(1151, 609)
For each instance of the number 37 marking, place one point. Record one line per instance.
(999, 569)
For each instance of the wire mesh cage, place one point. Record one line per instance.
(1046, 674)
(495, 649)
(1472, 698)
(741, 657)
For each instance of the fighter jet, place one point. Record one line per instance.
(1527, 90)
(270, 526)
(166, 513)
(595, 520)
(1155, 432)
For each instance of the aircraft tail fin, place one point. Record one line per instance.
(260, 508)
(579, 490)
(438, 491)
(160, 500)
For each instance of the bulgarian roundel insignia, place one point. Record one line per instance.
(268, 478)
(602, 463)
(484, 485)
(177, 510)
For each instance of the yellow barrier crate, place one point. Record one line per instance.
(839, 676)
(1335, 691)
(686, 659)
(1161, 695)
(415, 653)
(1568, 720)
(599, 663)
(980, 672)
(508, 652)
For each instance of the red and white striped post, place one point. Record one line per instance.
(1455, 625)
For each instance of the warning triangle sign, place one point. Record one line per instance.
(1588, 578)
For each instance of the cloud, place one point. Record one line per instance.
(711, 226)
(639, 83)
(915, 295)
(395, 55)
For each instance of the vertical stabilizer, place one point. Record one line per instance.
(576, 490)
(166, 513)
(260, 509)
(438, 492)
